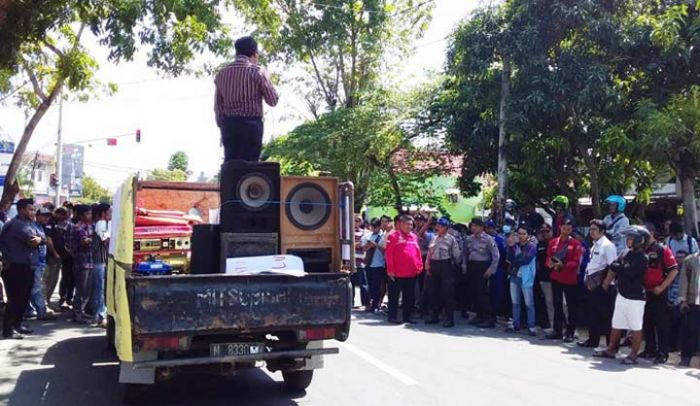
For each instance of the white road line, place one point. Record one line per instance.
(104, 364)
(405, 379)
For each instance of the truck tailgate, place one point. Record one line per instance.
(211, 304)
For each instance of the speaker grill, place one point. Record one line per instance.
(308, 206)
(254, 191)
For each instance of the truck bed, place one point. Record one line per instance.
(224, 304)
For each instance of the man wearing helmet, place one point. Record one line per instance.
(661, 272)
(560, 204)
(629, 273)
(616, 221)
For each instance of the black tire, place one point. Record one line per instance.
(134, 393)
(110, 335)
(297, 381)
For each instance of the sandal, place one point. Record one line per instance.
(629, 361)
(602, 354)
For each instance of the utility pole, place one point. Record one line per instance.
(59, 150)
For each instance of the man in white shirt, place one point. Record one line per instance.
(600, 303)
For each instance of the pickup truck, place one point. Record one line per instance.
(218, 323)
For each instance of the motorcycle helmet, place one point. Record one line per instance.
(561, 201)
(619, 201)
(639, 235)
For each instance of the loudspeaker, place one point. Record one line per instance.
(206, 248)
(309, 225)
(250, 197)
(247, 245)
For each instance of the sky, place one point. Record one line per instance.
(177, 113)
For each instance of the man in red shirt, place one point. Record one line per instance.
(403, 264)
(564, 259)
(241, 88)
(661, 272)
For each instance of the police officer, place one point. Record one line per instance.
(481, 260)
(443, 252)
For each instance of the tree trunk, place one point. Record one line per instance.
(690, 212)
(589, 160)
(398, 202)
(502, 136)
(10, 191)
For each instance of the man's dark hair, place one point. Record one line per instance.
(22, 203)
(524, 226)
(246, 46)
(98, 210)
(49, 206)
(405, 217)
(598, 223)
(81, 209)
(61, 210)
(676, 228)
(376, 222)
(385, 217)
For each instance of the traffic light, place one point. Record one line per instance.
(138, 135)
(54, 180)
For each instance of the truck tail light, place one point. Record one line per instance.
(317, 333)
(164, 343)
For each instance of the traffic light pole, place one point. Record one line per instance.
(59, 151)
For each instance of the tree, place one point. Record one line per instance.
(49, 58)
(179, 161)
(344, 44)
(672, 134)
(165, 175)
(93, 192)
(372, 141)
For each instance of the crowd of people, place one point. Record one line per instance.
(45, 247)
(632, 284)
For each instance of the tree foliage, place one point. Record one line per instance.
(165, 175)
(345, 45)
(93, 192)
(179, 161)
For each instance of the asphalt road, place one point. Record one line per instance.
(381, 364)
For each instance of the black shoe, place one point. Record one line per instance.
(553, 336)
(647, 355)
(569, 338)
(586, 344)
(448, 324)
(432, 321)
(661, 359)
(685, 362)
(476, 321)
(409, 321)
(13, 335)
(24, 330)
(393, 321)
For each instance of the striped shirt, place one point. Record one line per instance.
(240, 90)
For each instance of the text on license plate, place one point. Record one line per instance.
(232, 349)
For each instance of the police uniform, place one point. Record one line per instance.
(444, 252)
(481, 256)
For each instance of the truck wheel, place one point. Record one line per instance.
(297, 381)
(134, 393)
(110, 334)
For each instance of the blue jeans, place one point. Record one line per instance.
(97, 298)
(516, 288)
(37, 303)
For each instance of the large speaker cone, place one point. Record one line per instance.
(308, 206)
(254, 191)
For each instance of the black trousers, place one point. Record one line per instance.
(67, 286)
(242, 138)
(478, 289)
(600, 306)
(572, 305)
(406, 288)
(375, 276)
(657, 324)
(690, 332)
(18, 279)
(443, 288)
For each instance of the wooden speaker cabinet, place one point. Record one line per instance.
(309, 225)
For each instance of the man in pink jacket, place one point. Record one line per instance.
(404, 263)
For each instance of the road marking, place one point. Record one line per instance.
(405, 379)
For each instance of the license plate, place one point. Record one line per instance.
(233, 349)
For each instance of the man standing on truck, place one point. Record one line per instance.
(241, 88)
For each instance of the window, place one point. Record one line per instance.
(452, 196)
